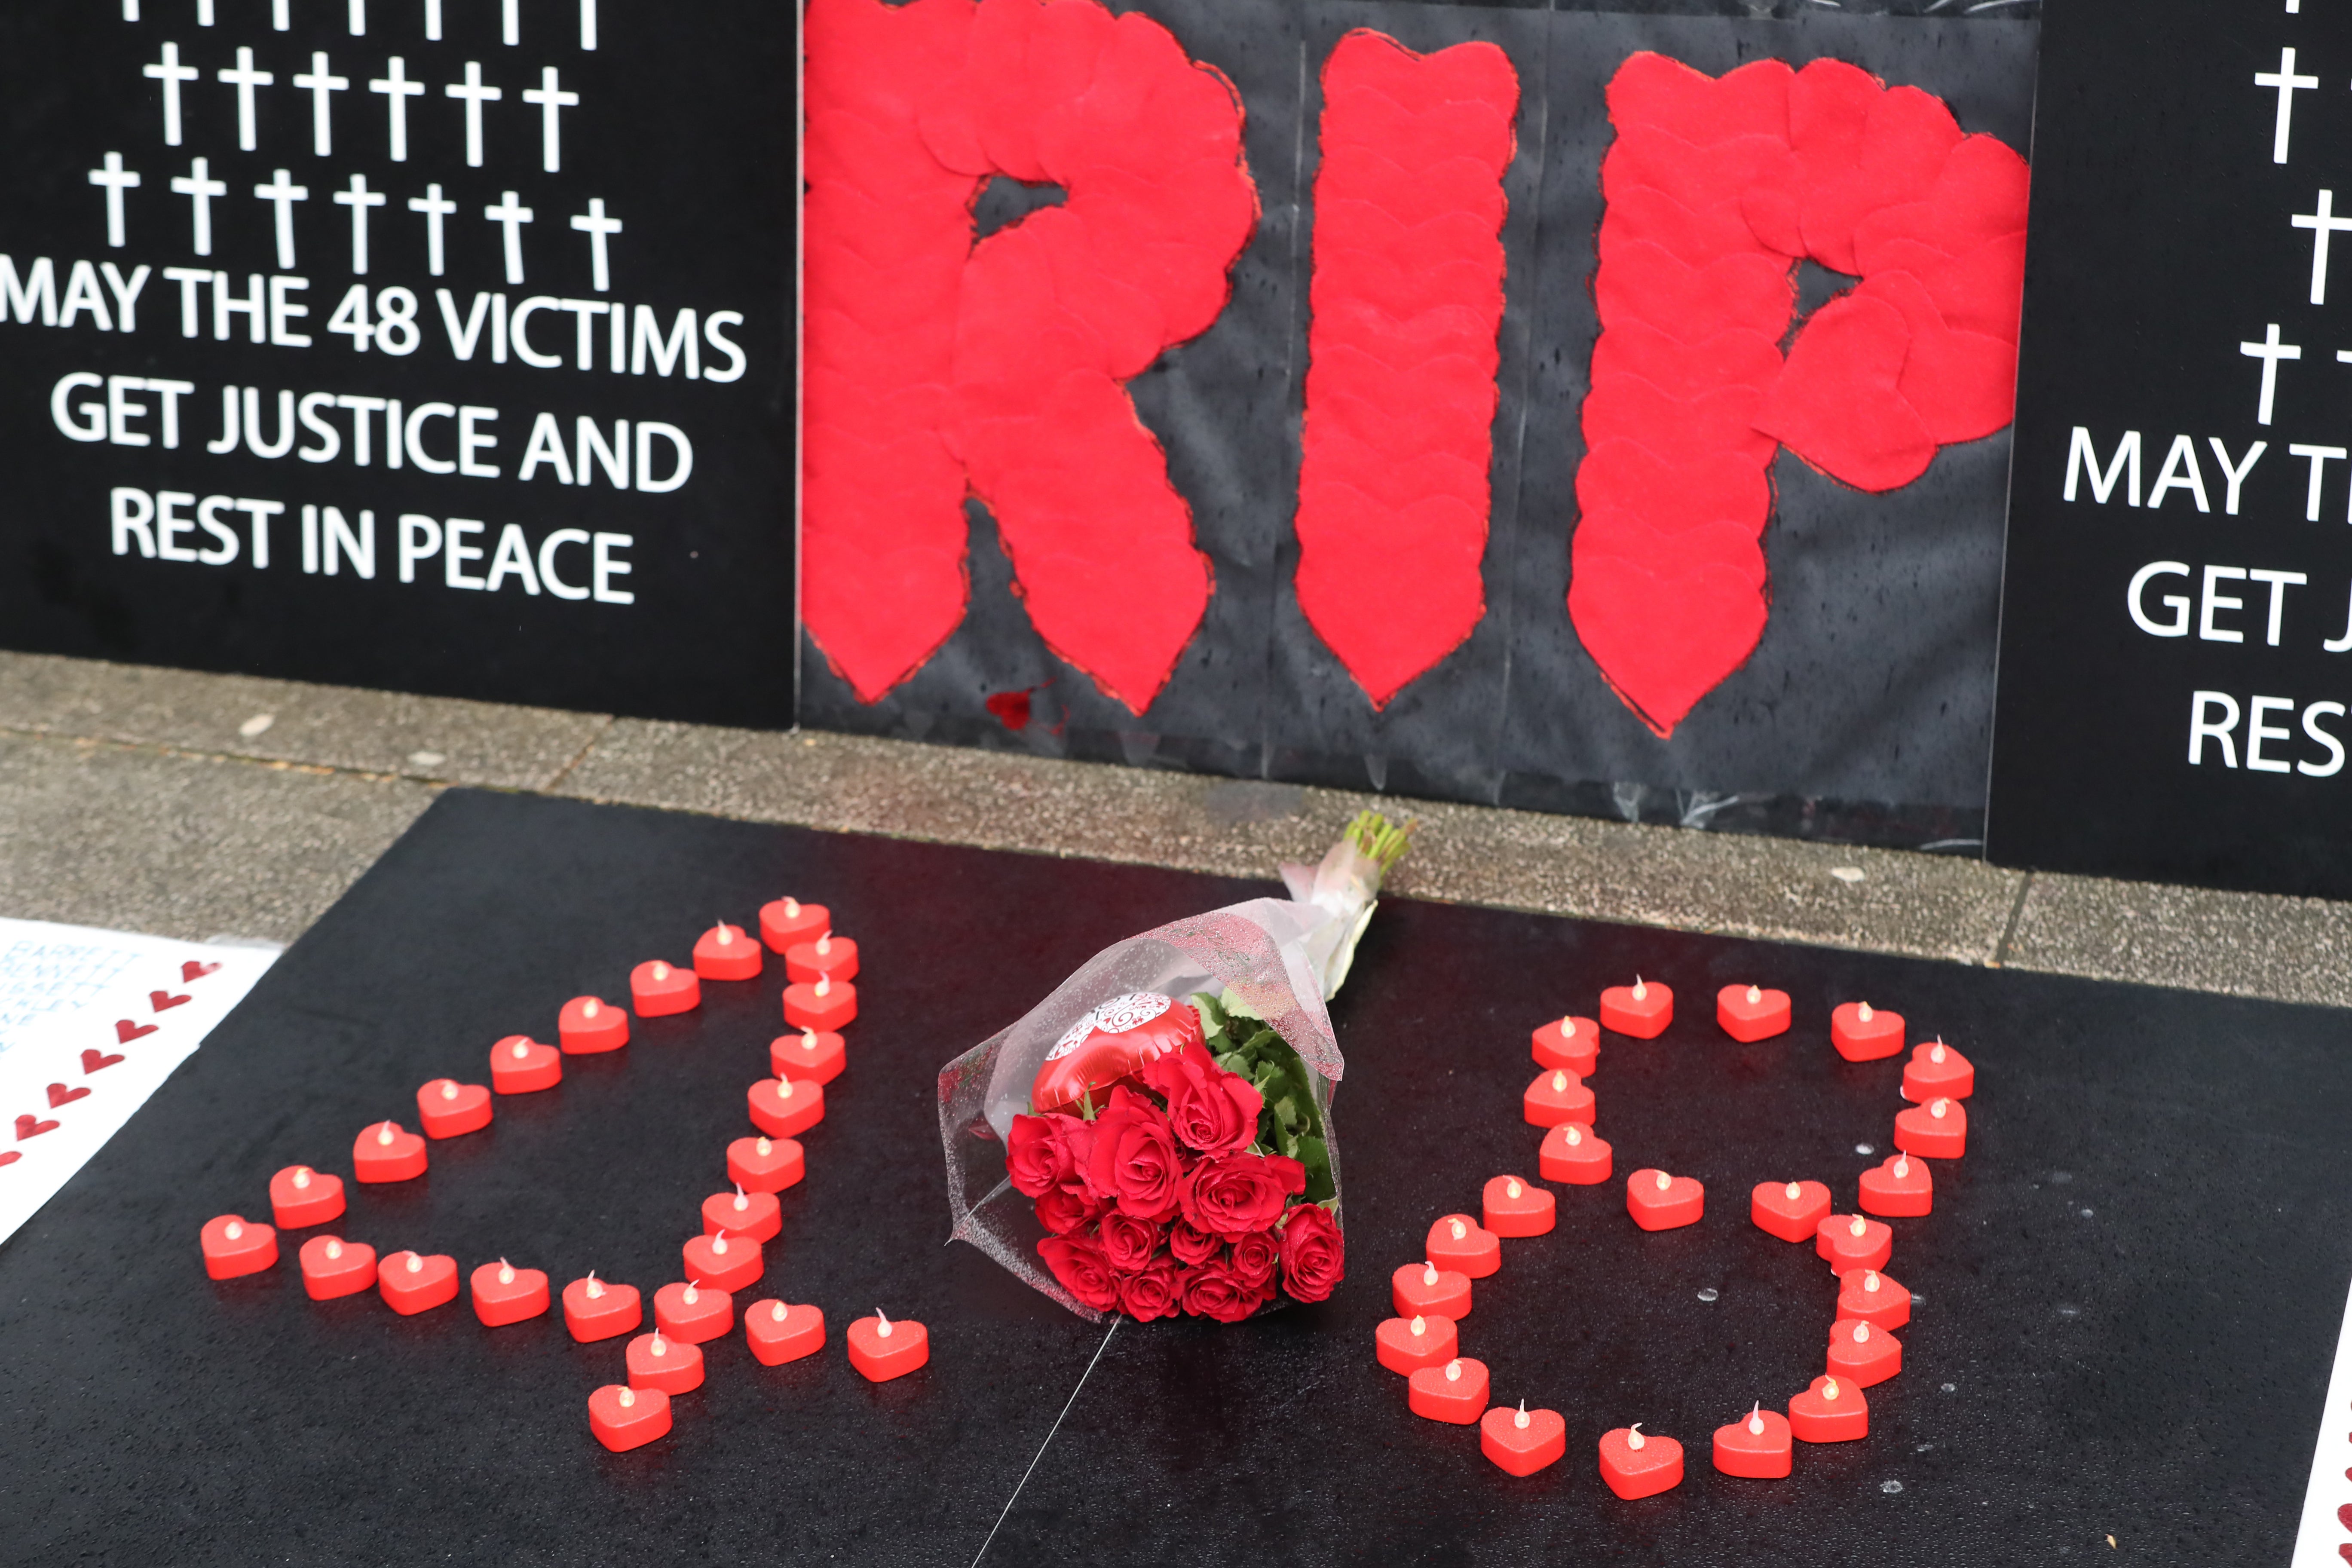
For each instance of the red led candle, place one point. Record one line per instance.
(788, 920)
(1455, 1392)
(778, 1333)
(1756, 1447)
(448, 1108)
(1423, 1290)
(383, 1152)
(1749, 1013)
(1863, 1034)
(595, 1310)
(1573, 1153)
(742, 1212)
(1938, 1069)
(1660, 1202)
(827, 1003)
(1522, 1441)
(828, 954)
(881, 1349)
(625, 1418)
(1643, 1009)
(590, 1024)
(1637, 1464)
(765, 1164)
(1569, 1042)
(693, 1312)
(504, 1294)
(234, 1244)
(411, 1282)
(1901, 1186)
(333, 1267)
(1460, 1243)
(726, 953)
(781, 1107)
(1516, 1207)
(657, 989)
(656, 1360)
(520, 1065)
(1793, 1211)
(1936, 1130)
(1407, 1344)
(1867, 1296)
(1556, 1097)
(1832, 1411)
(1865, 1354)
(811, 1054)
(300, 1197)
(724, 1262)
(1851, 1242)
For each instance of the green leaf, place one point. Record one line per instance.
(1235, 1062)
(1289, 1144)
(1317, 1157)
(1212, 1015)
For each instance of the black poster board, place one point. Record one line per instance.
(2173, 690)
(576, 292)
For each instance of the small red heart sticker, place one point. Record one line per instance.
(125, 1031)
(159, 1000)
(93, 1061)
(10, 1158)
(192, 969)
(61, 1095)
(33, 1126)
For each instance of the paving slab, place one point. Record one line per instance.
(2247, 944)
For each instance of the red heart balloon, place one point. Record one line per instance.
(1111, 1044)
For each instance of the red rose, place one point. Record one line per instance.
(1236, 1194)
(1254, 1258)
(1128, 1242)
(1043, 1151)
(1190, 1245)
(1078, 1263)
(1209, 1109)
(1065, 1209)
(1211, 1290)
(1314, 1254)
(1134, 1162)
(1152, 1291)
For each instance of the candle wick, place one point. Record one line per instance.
(1574, 1137)
(595, 1286)
(384, 1136)
(1454, 1371)
(1902, 1165)
(1515, 1189)
(1567, 1027)
(506, 1272)
(766, 1148)
(824, 945)
(628, 1397)
(726, 935)
(718, 1243)
(448, 1089)
(792, 908)
(588, 1008)
(1640, 988)
(808, 1038)
(1521, 1420)
(1419, 1325)
(1755, 994)
(1560, 1083)
(1459, 1230)
(521, 1049)
(1829, 1388)
(1860, 1227)
(661, 970)
(1633, 1438)
(1939, 1109)
(693, 1293)
(776, 1312)
(1936, 1056)
(825, 984)
(1429, 1274)
(1863, 1012)
(1756, 1419)
(233, 1230)
(884, 1331)
(742, 1199)
(1861, 1334)
(1795, 1192)
(1664, 1180)
(334, 1249)
(301, 1175)
(416, 1264)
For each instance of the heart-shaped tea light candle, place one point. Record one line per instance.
(1862, 1033)
(1460, 1243)
(411, 1282)
(1849, 1242)
(1936, 1130)
(781, 1107)
(447, 1107)
(828, 955)
(778, 1332)
(235, 1246)
(385, 1152)
(1423, 1290)
(590, 1024)
(1832, 1411)
(742, 1212)
(1756, 1445)
(1936, 1070)
(1407, 1344)
(623, 1418)
(657, 1362)
(1867, 1296)
(1643, 1009)
(724, 1262)
(1749, 1013)
(1556, 1097)
(594, 1309)
(657, 989)
(694, 1312)
(300, 1197)
(1638, 1464)
(1571, 1152)
(882, 1349)
(1660, 1202)
(823, 1004)
(726, 953)
(1569, 1042)
(333, 1267)
(503, 1294)
(520, 1065)
(1522, 1441)
(765, 1164)
(1515, 1207)
(1455, 1392)
(1793, 1211)
(1900, 1187)
(1865, 1354)
(814, 1055)
(788, 920)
